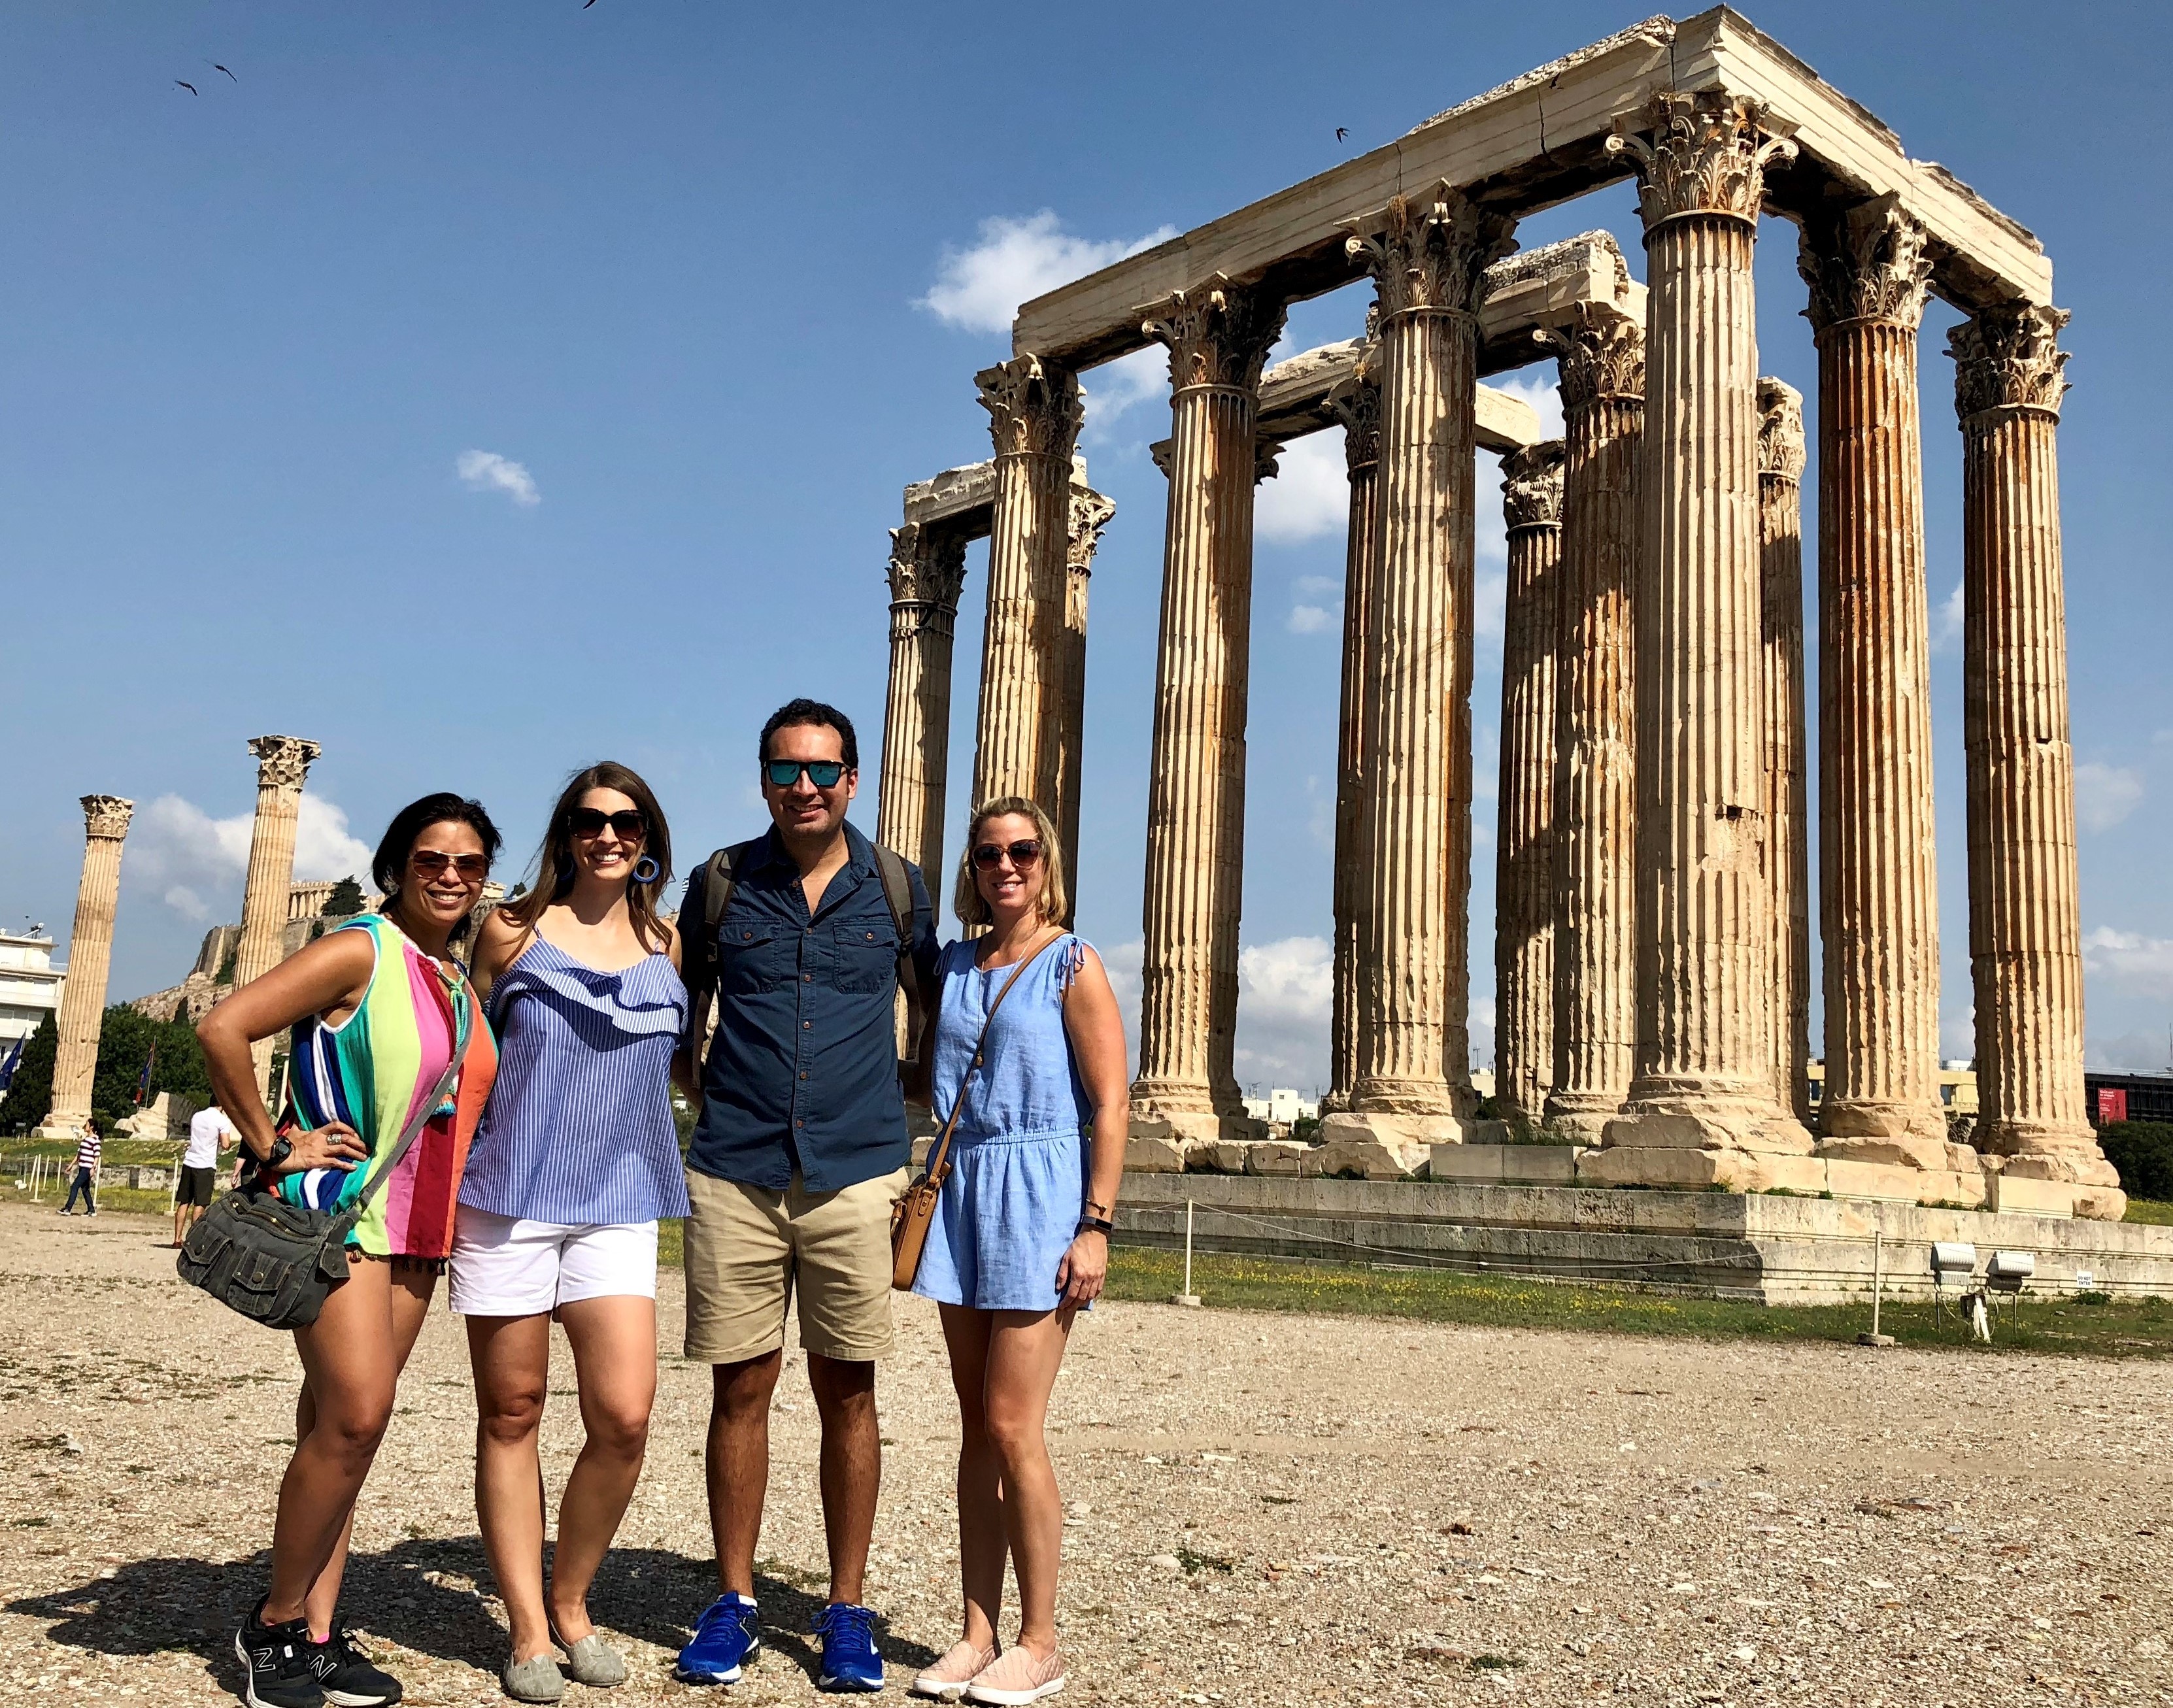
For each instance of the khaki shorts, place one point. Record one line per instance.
(748, 1247)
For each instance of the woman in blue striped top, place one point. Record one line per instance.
(576, 1159)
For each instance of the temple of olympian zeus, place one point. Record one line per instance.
(1651, 936)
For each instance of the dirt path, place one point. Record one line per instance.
(1266, 1510)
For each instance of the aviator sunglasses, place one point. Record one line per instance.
(1023, 854)
(588, 820)
(429, 863)
(823, 773)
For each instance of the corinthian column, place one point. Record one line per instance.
(1357, 402)
(282, 762)
(1780, 540)
(2025, 921)
(1035, 415)
(1426, 255)
(1218, 336)
(1705, 1068)
(1089, 514)
(90, 954)
(1524, 847)
(927, 569)
(1878, 879)
(1601, 360)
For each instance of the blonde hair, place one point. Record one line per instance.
(965, 898)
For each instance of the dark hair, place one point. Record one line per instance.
(390, 863)
(796, 713)
(554, 861)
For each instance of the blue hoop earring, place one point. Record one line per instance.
(645, 870)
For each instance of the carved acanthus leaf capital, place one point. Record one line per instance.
(1090, 512)
(1356, 401)
(106, 816)
(1162, 452)
(282, 762)
(1218, 334)
(1867, 262)
(1430, 252)
(2009, 357)
(927, 566)
(1532, 485)
(1600, 352)
(1780, 428)
(1267, 459)
(1033, 409)
(1703, 153)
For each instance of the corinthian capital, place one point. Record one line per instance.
(1600, 353)
(1780, 428)
(1089, 513)
(1701, 154)
(1356, 401)
(1532, 485)
(1429, 251)
(2008, 357)
(1033, 409)
(1865, 263)
(282, 762)
(927, 566)
(106, 816)
(1218, 334)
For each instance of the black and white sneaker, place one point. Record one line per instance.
(275, 1663)
(347, 1675)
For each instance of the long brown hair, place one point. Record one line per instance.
(554, 860)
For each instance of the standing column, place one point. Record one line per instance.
(1426, 256)
(1705, 1069)
(1357, 402)
(1218, 337)
(1781, 542)
(1089, 514)
(1877, 870)
(927, 569)
(2025, 919)
(1524, 847)
(282, 762)
(1601, 360)
(90, 954)
(1034, 415)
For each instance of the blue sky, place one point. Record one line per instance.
(701, 287)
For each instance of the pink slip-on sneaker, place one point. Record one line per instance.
(1018, 1678)
(947, 1679)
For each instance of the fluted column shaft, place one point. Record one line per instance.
(1090, 513)
(91, 958)
(1705, 1074)
(1034, 415)
(1524, 846)
(1878, 869)
(282, 764)
(927, 569)
(1602, 368)
(1781, 547)
(1218, 337)
(2025, 921)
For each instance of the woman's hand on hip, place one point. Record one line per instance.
(1085, 1268)
(334, 1145)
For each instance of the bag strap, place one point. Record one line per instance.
(939, 1159)
(416, 1123)
(698, 956)
(898, 891)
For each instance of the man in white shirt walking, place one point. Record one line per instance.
(209, 1133)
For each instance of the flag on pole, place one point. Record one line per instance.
(7, 1067)
(143, 1081)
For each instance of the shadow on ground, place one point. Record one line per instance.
(426, 1595)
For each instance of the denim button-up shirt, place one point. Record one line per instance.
(803, 1071)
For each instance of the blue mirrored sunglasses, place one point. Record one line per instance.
(823, 773)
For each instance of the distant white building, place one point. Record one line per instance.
(1282, 1105)
(30, 987)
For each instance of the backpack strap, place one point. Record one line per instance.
(708, 893)
(898, 891)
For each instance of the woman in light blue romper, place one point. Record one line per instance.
(1020, 1241)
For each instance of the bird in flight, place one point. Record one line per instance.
(190, 87)
(216, 67)
(1341, 131)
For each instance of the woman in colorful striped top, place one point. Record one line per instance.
(384, 1028)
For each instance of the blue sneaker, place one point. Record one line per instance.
(725, 1635)
(849, 1660)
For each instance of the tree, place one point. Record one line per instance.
(345, 900)
(125, 1039)
(30, 1094)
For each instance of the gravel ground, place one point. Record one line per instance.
(1264, 1510)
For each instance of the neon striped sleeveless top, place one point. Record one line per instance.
(370, 1071)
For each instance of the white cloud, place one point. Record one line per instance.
(1122, 961)
(1947, 622)
(1286, 991)
(1957, 1034)
(2129, 961)
(2131, 1053)
(322, 847)
(1310, 619)
(1543, 394)
(487, 471)
(198, 862)
(979, 289)
(186, 903)
(2104, 794)
(1110, 390)
(1310, 496)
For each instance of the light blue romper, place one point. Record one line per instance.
(1017, 1188)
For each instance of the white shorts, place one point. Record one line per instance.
(509, 1266)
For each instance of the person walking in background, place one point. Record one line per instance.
(1021, 1239)
(88, 1149)
(209, 1133)
(384, 1030)
(799, 1153)
(576, 1159)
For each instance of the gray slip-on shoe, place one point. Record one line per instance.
(593, 1662)
(536, 1679)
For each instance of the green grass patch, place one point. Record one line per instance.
(2092, 1324)
(2149, 1211)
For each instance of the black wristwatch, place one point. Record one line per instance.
(1094, 1224)
(281, 1148)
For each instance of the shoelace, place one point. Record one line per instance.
(721, 1612)
(839, 1618)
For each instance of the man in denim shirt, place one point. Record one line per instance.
(800, 1151)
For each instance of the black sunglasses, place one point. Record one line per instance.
(990, 855)
(823, 773)
(586, 820)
